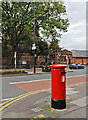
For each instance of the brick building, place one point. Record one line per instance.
(65, 57)
(80, 56)
(74, 56)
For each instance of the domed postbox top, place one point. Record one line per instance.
(58, 66)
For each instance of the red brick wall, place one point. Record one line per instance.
(80, 60)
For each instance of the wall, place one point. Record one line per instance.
(80, 60)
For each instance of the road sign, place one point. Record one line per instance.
(59, 54)
(34, 47)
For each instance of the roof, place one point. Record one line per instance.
(80, 53)
(65, 50)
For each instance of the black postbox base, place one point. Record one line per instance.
(58, 104)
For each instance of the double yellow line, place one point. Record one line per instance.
(13, 100)
(77, 84)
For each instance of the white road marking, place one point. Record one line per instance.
(29, 81)
(5, 99)
(40, 80)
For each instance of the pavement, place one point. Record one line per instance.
(37, 103)
(29, 72)
(39, 70)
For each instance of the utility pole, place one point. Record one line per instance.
(67, 59)
(15, 59)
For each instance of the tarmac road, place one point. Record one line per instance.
(10, 91)
(30, 104)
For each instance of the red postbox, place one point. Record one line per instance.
(58, 86)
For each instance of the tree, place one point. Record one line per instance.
(18, 23)
(49, 19)
(54, 46)
(42, 48)
(15, 36)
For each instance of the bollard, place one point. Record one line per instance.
(58, 86)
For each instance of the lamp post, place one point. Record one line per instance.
(34, 47)
(34, 42)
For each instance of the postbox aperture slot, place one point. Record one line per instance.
(63, 72)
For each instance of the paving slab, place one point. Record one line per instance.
(39, 105)
(78, 113)
(44, 114)
(80, 102)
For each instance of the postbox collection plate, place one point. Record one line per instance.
(63, 78)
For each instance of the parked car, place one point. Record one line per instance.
(82, 66)
(46, 69)
(76, 66)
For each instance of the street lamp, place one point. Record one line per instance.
(34, 47)
(34, 42)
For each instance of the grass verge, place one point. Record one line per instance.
(3, 72)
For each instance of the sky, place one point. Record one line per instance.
(75, 38)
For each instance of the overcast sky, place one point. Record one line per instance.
(75, 38)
